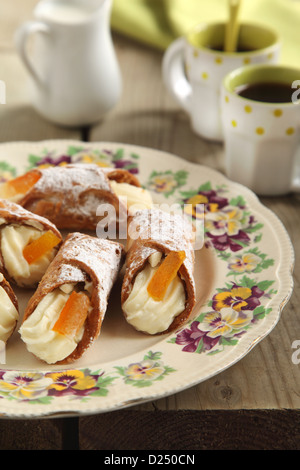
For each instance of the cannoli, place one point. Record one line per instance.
(158, 290)
(28, 244)
(65, 314)
(9, 310)
(70, 195)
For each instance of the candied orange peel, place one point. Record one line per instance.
(73, 315)
(23, 183)
(166, 272)
(39, 247)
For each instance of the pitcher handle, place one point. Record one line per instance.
(21, 38)
(174, 75)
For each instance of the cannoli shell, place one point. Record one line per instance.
(121, 176)
(69, 195)
(8, 289)
(12, 213)
(83, 258)
(159, 231)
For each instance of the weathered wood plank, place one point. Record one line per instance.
(189, 431)
(31, 434)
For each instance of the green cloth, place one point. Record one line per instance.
(159, 22)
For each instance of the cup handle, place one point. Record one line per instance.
(174, 75)
(21, 38)
(295, 188)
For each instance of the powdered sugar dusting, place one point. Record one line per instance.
(74, 177)
(11, 210)
(68, 273)
(100, 256)
(74, 180)
(172, 230)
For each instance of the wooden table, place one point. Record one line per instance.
(255, 403)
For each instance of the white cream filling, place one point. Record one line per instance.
(36, 331)
(134, 198)
(13, 241)
(146, 314)
(8, 315)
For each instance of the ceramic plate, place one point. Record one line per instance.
(243, 278)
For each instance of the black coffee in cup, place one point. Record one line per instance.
(267, 92)
(240, 47)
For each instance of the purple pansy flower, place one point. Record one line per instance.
(52, 161)
(191, 337)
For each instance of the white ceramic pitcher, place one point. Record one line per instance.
(75, 75)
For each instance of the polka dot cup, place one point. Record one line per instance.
(261, 139)
(194, 66)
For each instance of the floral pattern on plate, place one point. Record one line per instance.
(81, 384)
(143, 373)
(234, 309)
(74, 154)
(229, 227)
(228, 222)
(166, 182)
(43, 387)
(80, 154)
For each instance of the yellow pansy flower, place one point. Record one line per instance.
(235, 298)
(244, 263)
(24, 385)
(163, 183)
(224, 322)
(74, 378)
(229, 221)
(144, 370)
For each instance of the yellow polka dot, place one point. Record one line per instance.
(247, 60)
(290, 131)
(204, 76)
(260, 130)
(196, 53)
(218, 60)
(270, 55)
(277, 112)
(248, 109)
(227, 99)
(233, 123)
